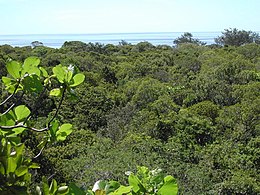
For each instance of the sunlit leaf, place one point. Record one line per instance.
(44, 72)
(55, 92)
(60, 73)
(63, 131)
(77, 79)
(21, 112)
(21, 171)
(169, 187)
(14, 68)
(11, 165)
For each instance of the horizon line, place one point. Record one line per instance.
(109, 33)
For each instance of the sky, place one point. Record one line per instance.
(124, 16)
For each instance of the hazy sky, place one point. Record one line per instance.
(116, 16)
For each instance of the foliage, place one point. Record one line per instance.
(187, 38)
(16, 118)
(191, 110)
(237, 37)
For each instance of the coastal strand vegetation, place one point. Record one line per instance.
(146, 119)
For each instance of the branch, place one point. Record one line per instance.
(40, 151)
(24, 126)
(13, 105)
(57, 110)
(8, 109)
(10, 96)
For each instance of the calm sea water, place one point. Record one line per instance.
(57, 40)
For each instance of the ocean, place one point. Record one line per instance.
(57, 40)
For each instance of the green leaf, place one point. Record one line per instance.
(45, 186)
(34, 166)
(63, 132)
(77, 79)
(31, 61)
(18, 131)
(122, 190)
(112, 186)
(14, 68)
(21, 112)
(169, 187)
(32, 84)
(21, 171)
(7, 81)
(75, 190)
(68, 76)
(62, 190)
(11, 165)
(60, 73)
(44, 72)
(2, 169)
(53, 187)
(136, 183)
(56, 92)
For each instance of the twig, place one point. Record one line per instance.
(10, 96)
(8, 109)
(57, 110)
(40, 151)
(24, 126)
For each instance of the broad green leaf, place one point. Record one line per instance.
(7, 119)
(14, 68)
(75, 190)
(60, 73)
(169, 187)
(32, 84)
(54, 128)
(11, 165)
(21, 171)
(21, 112)
(53, 187)
(77, 79)
(136, 183)
(44, 72)
(31, 61)
(56, 92)
(122, 190)
(63, 132)
(7, 81)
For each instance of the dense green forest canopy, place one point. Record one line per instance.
(191, 110)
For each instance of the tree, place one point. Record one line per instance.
(188, 38)
(36, 44)
(237, 37)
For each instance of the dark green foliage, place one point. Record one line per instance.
(191, 110)
(237, 37)
(187, 38)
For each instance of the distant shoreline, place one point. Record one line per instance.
(57, 40)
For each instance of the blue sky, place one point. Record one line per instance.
(117, 16)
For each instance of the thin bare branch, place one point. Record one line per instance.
(40, 151)
(60, 103)
(8, 110)
(10, 96)
(24, 126)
